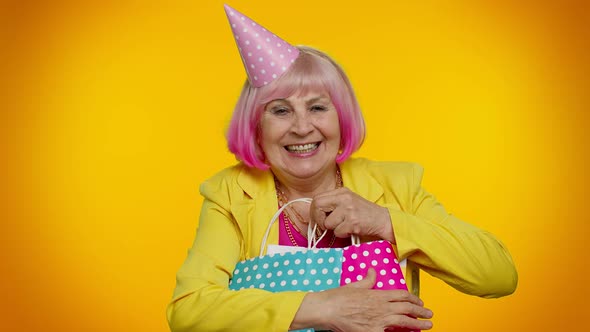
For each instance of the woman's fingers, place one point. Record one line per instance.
(367, 282)
(403, 321)
(321, 207)
(356, 308)
(404, 306)
(347, 213)
(337, 219)
(402, 296)
(412, 310)
(328, 209)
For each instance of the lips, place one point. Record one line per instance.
(302, 148)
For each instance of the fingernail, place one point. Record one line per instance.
(429, 314)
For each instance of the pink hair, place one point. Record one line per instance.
(313, 70)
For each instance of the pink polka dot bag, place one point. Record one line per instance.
(312, 269)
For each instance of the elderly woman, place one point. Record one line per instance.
(293, 134)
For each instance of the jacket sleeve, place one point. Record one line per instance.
(469, 259)
(202, 301)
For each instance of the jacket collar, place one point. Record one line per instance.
(357, 178)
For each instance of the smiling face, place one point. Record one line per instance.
(300, 135)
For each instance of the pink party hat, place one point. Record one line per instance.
(265, 56)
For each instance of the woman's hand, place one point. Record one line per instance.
(357, 307)
(347, 213)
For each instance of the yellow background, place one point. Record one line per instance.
(113, 112)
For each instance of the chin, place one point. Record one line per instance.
(306, 171)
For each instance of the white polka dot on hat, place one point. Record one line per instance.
(262, 63)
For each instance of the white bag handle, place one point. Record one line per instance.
(311, 229)
(354, 239)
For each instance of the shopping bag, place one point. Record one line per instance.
(313, 269)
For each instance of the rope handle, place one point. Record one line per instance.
(311, 229)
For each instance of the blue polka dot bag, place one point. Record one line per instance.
(310, 270)
(313, 270)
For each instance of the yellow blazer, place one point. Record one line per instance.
(240, 201)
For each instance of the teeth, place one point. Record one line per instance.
(302, 148)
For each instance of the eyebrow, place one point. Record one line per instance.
(315, 99)
(308, 102)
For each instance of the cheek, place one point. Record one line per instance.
(269, 134)
(333, 127)
(337, 130)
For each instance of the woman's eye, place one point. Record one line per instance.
(279, 111)
(318, 108)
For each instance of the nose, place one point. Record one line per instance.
(302, 124)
